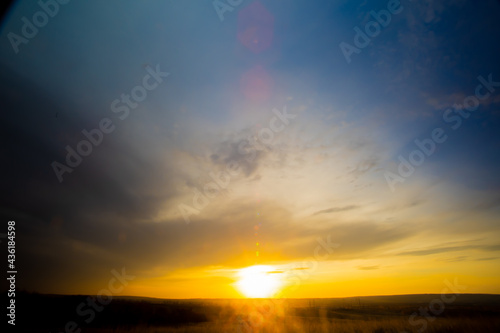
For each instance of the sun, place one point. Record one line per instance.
(259, 281)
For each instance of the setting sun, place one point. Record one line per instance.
(259, 281)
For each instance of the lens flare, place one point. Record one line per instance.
(259, 281)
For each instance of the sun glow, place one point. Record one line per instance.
(259, 281)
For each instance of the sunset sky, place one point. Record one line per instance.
(257, 142)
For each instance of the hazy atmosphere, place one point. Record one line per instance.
(236, 149)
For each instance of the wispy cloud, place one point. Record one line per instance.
(436, 250)
(455, 259)
(368, 268)
(336, 209)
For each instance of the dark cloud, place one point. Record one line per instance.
(336, 209)
(79, 229)
(86, 248)
(242, 152)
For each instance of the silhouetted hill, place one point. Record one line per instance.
(58, 313)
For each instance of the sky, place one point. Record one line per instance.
(182, 141)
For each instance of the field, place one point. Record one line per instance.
(410, 313)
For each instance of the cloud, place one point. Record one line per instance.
(455, 259)
(241, 151)
(85, 247)
(116, 208)
(368, 268)
(487, 259)
(336, 209)
(436, 250)
(488, 203)
(365, 166)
